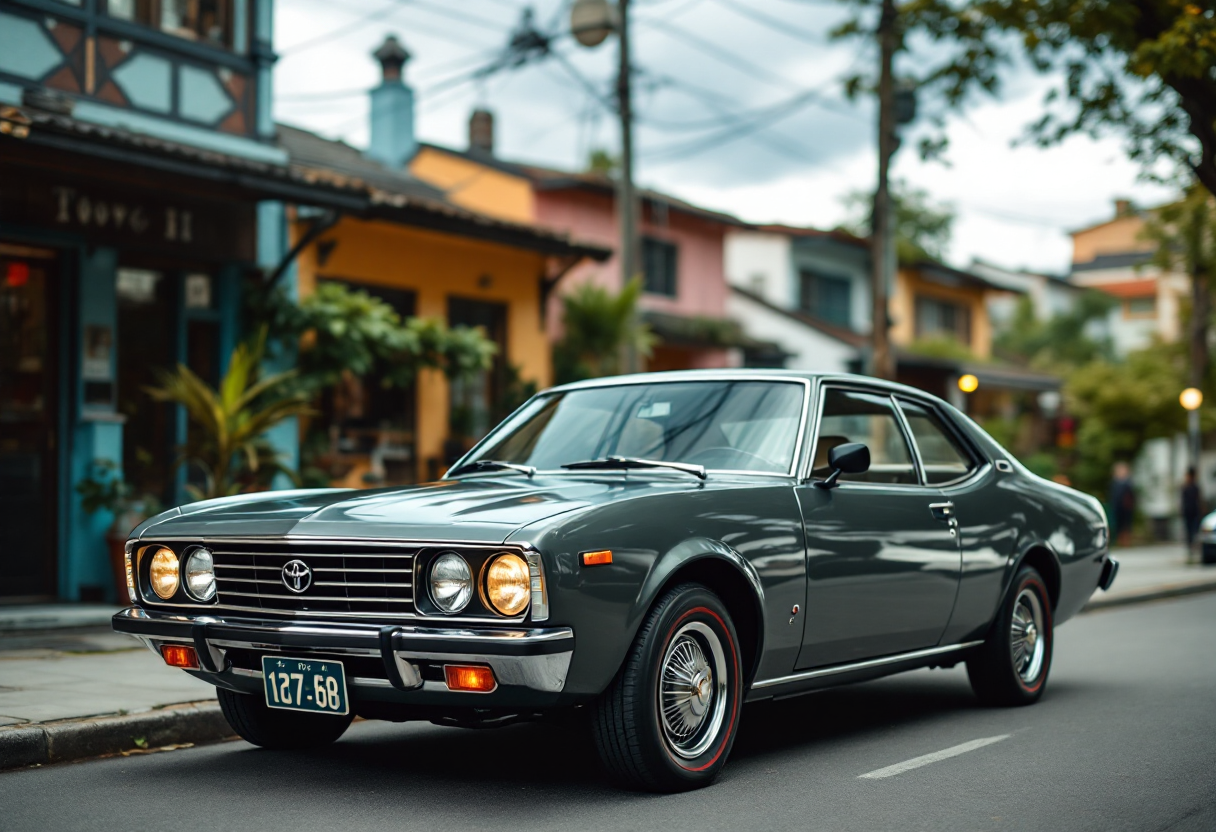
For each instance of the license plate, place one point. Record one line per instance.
(305, 685)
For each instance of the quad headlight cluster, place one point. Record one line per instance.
(166, 574)
(504, 584)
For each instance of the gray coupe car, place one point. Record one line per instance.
(653, 549)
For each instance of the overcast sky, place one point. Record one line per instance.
(740, 109)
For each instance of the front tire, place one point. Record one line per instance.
(258, 723)
(668, 720)
(1012, 666)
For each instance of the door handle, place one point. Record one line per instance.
(943, 511)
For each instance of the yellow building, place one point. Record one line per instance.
(931, 302)
(428, 258)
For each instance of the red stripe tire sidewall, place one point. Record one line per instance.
(734, 704)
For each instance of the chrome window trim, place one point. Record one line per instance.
(980, 460)
(633, 381)
(860, 387)
(834, 670)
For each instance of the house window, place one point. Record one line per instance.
(827, 297)
(935, 318)
(206, 21)
(1140, 307)
(659, 267)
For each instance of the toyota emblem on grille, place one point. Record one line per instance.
(297, 576)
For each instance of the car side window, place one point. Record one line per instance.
(853, 416)
(942, 455)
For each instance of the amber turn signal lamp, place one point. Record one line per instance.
(597, 558)
(469, 678)
(179, 655)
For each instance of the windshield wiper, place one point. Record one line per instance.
(491, 465)
(626, 462)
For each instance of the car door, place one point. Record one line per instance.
(984, 502)
(883, 558)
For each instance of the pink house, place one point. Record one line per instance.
(682, 246)
(683, 272)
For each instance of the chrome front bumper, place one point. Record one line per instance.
(530, 665)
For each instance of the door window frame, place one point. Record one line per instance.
(976, 459)
(805, 469)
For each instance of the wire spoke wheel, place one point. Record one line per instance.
(692, 690)
(1026, 636)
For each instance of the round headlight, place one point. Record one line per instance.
(164, 573)
(451, 583)
(200, 575)
(508, 584)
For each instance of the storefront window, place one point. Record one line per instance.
(476, 402)
(206, 21)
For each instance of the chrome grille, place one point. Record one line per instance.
(346, 578)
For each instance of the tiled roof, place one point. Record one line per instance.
(551, 179)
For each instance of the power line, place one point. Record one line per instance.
(737, 131)
(386, 11)
(722, 55)
(774, 23)
(378, 14)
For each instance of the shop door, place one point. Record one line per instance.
(28, 420)
(477, 401)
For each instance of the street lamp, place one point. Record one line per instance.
(1191, 398)
(968, 383)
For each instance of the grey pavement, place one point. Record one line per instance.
(67, 674)
(1124, 739)
(1157, 569)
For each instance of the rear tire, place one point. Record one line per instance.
(668, 720)
(268, 727)
(1011, 668)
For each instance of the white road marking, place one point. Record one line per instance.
(944, 754)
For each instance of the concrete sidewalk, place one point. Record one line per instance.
(68, 692)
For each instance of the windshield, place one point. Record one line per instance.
(725, 425)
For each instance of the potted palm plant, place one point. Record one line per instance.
(227, 444)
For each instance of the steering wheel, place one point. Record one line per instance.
(743, 456)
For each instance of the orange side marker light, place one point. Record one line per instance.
(597, 558)
(469, 678)
(179, 655)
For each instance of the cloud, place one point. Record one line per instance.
(704, 70)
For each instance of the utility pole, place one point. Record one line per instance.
(591, 22)
(626, 197)
(882, 236)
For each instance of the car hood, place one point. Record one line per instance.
(474, 510)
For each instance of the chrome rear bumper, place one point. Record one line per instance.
(530, 665)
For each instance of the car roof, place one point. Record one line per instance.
(741, 374)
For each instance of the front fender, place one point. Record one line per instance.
(685, 553)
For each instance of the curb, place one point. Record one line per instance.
(76, 739)
(1151, 594)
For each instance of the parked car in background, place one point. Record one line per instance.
(656, 549)
(1207, 539)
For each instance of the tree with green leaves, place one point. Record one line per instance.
(343, 330)
(1185, 233)
(1061, 342)
(227, 441)
(923, 228)
(598, 327)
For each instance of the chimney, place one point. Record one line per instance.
(481, 132)
(1123, 208)
(392, 124)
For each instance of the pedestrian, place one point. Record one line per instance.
(1122, 503)
(1192, 510)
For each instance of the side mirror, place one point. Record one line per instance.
(850, 458)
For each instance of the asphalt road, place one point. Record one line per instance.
(1124, 739)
